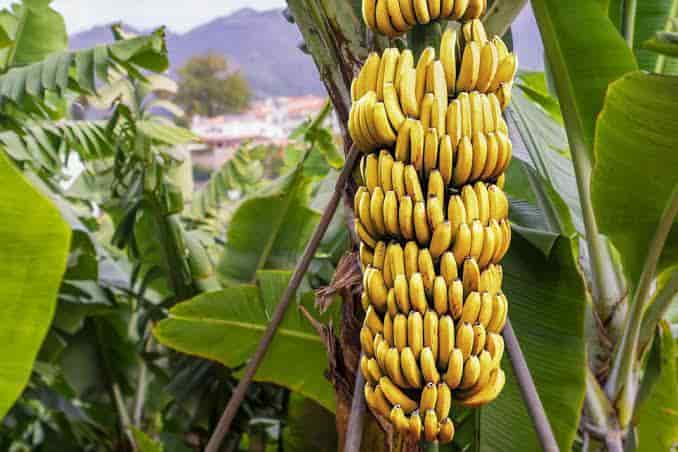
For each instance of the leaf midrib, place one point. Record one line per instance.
(250, 326)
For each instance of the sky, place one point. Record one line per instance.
(178, 15)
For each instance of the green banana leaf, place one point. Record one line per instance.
(270, 229)
(585, 53)
(36, 30)
(546, 307)
(658, 414)
(227, 325)
(636, 165)
(651, 16)
(34, 245)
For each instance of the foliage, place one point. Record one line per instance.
(207, 87)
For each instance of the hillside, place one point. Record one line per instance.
(264, 46)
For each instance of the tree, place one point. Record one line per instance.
(207, 87)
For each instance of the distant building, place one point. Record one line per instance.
(268, 121)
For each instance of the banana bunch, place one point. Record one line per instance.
(432, 216)
(396, 17)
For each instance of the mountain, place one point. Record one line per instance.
(264, 46)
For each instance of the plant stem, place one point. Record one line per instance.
(663, 298)
(430, 446)
(239, 394)
(354, 431)
(598, 407)
(661, 59)
(529, 391)
(501, 15)
(630, 8)
(626, 351)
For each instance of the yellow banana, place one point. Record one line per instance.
(380, 349)
(364, 369)
(446, 8)
(427, 57)
(366, 119)
(506, 241)
(483, 199)
(430, 150)
(391, 306)
(402, 293)
(417, 146)
(489, 247)
(479, 336)
(415, 426)
(499, 240)
(429, 397)
(379, 255)
(431, 333)
(462, 243)
(495, 109)
(366, 340)
(476, 8)
(396, 396)
(465, 108)
(489, 393)
(501, 180)
(426, 269)
(448, 267)
(441, 239)
(477, 240)
(377, 290)
(464, 164)
(385, 133)
(446, 340)
(505, 72)
(395, 115)
(371, 176)
(402, 145)
(479, 144)
(456, 213)
(385, 168)
(476, 104)
(398, 179)
(471, 372)
(405, 60)
(410, 368)
(455, 296)
(412, 185)
(434, 211)
(464, 339)
(448, 56)
(377, 212)
(393, 369)
(369, 11)
(489, 62)
(387, 65)
(388, 328)
(367, 79)
(488, 118)
(415, 332)
(418, 293)
(421, 11)
(498, 310)
(453, 122)
(407, 10)
(400, 331)
(492, 156)
(446, 431)
(471, 308)
(363, 234)
(485, 313)
(431, 427)
(494, 344)
(426, 110)
(505, 149)
(436, 186)
(364, 300)
(444, 402)
(399, 420)
(391, 213)
(366, 255)
(411, 253)
(388, 274)
(406, 218)
(455, 369)
(428, 366)
(364, 214)
(376, 401)
(471, 275)
(434, 9)
(470, 68)
(440, 295)
(438, 86)
(397, 260)
(373, 369)
(468, 195)
(460, 7)
(421, 229)
(396, 15)
(408, 92)
(446, 159)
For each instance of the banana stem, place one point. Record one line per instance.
(423, 36)
(626, 351)
(630, 8)
(430, 446)
(661, 59)
(529, 391)
(354, 430)
(239, 394)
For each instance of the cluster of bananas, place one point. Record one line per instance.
(432, 218)
(396, 17)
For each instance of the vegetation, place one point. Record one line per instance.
(208, 87)
(131, 304)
